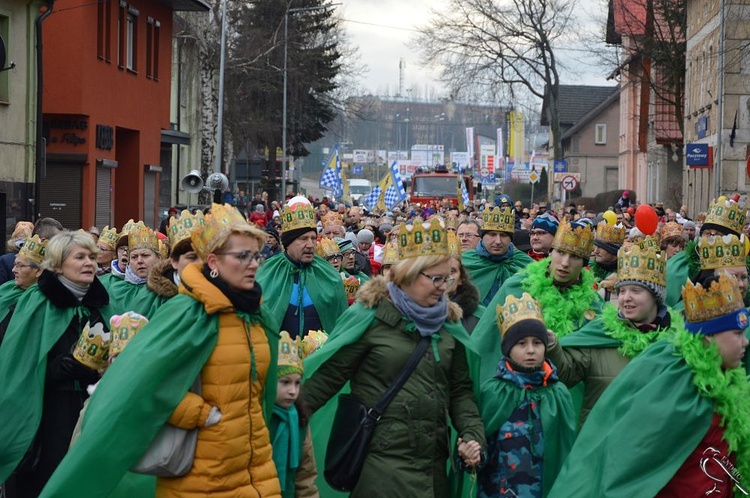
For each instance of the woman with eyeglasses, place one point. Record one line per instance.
(368, 348)
(216, 330)
(107, 245)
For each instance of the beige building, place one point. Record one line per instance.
(717, 99)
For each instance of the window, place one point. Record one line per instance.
(130, 39)
(152, 48)
(5, 75)
(104, 30)
(127, 38)
(600, 135)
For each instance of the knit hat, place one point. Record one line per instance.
(273, 233)
(344, 244)
(502, 199)
(287, 237)
(524, 328)
(546, 222)
(365, 236)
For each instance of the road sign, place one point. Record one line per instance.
(559, 176)
(357, 169)
(569, 183)
(561, 166)
(533, 177)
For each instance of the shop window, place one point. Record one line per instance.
(104, 30)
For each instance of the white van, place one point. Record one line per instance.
(358, 188)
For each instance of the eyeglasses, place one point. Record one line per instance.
(439, 280)
(104, 249)
(19, 266)
(537, 233)
(349, 254)
(334, 257)
(245, 257)
(467, 235)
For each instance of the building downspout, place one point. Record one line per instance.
(40, 145)
(720, 104)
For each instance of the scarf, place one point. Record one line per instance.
(132, 278)
(243, 301)
(77, 290)
(484, 253)
(428, 320)
(116, 269)
(286, 445)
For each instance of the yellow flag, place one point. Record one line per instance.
(346, 197)
(386, 182)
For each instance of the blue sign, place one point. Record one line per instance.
(697, 155)
(358, 169)
(561, 166)
(701, 126)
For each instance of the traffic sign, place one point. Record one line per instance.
(559, 176)
(561, 166)
(533, 177)
(569, 183)
(357, 169)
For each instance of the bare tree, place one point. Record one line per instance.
(500, 47)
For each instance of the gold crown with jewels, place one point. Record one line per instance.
(93, 346)
(220, 222)
(454, 245)
(451, 223)
(499, 220)
(326, 247)
(669, 230)
(332, 219)
(642, 261)
(290, 355)
(390, 253)
(126, 228)
(109, 237)
(142, 237)
(122, 330)
(726, 213)
(515, 310)
(721, 251)
(611, 234)
(351, 286)
(420, 240)
(721, 298)
(300, 215)
(313, 341)
(180, 228)
(33, 250)
(577, 241)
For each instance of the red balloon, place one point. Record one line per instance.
(646, 219)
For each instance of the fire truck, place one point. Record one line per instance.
(439, 185)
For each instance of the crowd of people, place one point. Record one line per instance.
(526, 351)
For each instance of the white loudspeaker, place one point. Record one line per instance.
(192, 183)
(217, 181)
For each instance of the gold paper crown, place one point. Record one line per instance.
(721, 298)
(451, 223)
(390, 253)
(33, 249)
(726, 213)
(577, 241)
(23, 230)
(126, 228)
(313, 341)
(123, 328)
(514, 310)
(142, 237)
(642, 261)
(499, 220)
(454, 245)
(611, 234)
(351, 285)
(326, 247)
(669, 230)
(181, 228)
(721, 251)
(298, 216)
(290, 355)
(416, 240)
(332, 219)
(93, 346)
(109, 237)
(220, 221)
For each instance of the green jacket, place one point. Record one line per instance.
(410, 445)
(485, 273)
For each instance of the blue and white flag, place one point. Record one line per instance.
(395, 192)
(330, 179)
(371, 199)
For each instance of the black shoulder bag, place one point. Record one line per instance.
(353, 427)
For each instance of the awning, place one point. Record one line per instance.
(175, 137)
(198, 5)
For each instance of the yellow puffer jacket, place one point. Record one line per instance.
(233, 457)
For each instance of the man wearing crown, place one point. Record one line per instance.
(307, 291)
(495, 259)
(676, 420)
(603, 264)
(560, 284)
(725, 217)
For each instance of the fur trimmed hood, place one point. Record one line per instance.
(467, 297)
(374, 291)
(160, 279)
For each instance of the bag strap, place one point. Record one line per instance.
(411, 364)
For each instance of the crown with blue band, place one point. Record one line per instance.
(737, 320)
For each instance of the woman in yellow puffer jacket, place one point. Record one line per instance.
(234, 358)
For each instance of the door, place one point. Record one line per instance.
(61, 194)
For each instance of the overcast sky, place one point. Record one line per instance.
(384, 30)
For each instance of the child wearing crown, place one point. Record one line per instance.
(290, 435)
(676, 420)
(528, 414)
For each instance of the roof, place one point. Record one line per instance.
(575, 101)
(180, 5)
(593, 113)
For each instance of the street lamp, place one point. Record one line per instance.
(283, 114)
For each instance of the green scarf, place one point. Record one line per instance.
(485, 273)
(597, 271)
(285, 438)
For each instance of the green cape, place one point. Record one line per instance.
(641, 430)
(10, 293)
(349, 328)
(141, 390)
(677, 275)
(498, 400)
(562, 319)
(35, 327)
(484, 273)
(138, 298)
(323, 282)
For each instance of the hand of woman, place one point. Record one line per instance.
(551, 338)
(470, 452)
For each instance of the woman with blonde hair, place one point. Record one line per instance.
(44, 385)
(215, 330)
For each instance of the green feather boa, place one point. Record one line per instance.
(597, 271)
(562, 311)
(729, 390)
(633, 341)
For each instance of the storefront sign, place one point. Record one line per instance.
(698, 155)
